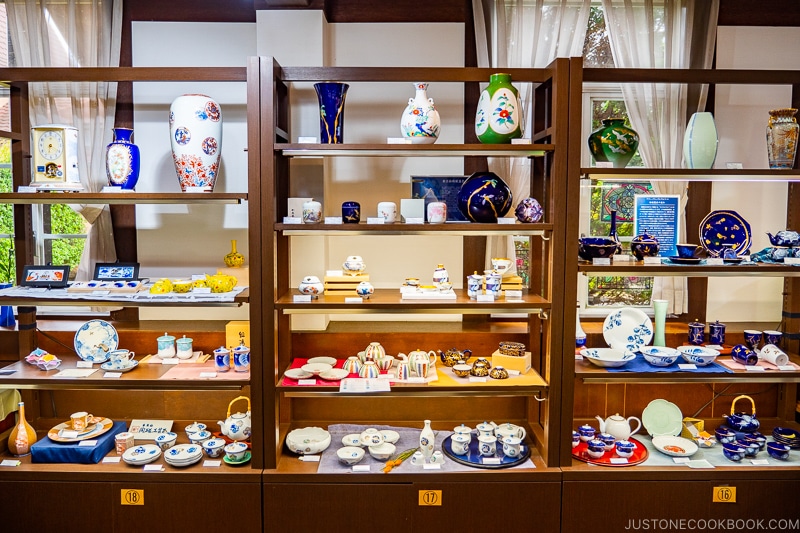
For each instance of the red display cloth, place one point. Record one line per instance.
(300, 361)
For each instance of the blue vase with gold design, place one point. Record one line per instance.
(484, 197)
(331, 97)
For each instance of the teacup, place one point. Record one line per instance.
(120, 358)
(421, 368)
(586, 432)
(352, 364)
(411, 282)
(486, 429)
(418, 458)
(512, 446)
(385, 362)
(772, 336)
(724, 435)
(750, 448)
(437, 458)
(608, 439)
(459, 443)
(165, 441)
(214, 447)
(80, 420)
(595, 448)
(403, 372)
(236, 451)
(371, 437)
(200, 437)
(184, 350)
(742, 355)
(732, 451)
(194, 428)
(241, 358)
(222, 359)
(756, 438)
(487, 445)
(772, 354)
(687, 251)
(182, 285)
(778, 450)
(463, 430)
(576, 438)
(625, 448)
(509, 430)
(752, 338)
(697, 333)
(716, 331)
(166, 346)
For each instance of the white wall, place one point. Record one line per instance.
(741, 114)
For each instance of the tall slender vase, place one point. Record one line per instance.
(22, 436)
(122, 160)
(700, 141)
(614, 142)
(612, 232)
(420, 121)
(331, 97)
(195, 127)
(6, 311)
(660, 308)
(234, 259)
(499, 115)
(426, 440)
(782, 138)
(580, 335)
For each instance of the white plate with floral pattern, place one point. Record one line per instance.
(628, 329)
(142, 454)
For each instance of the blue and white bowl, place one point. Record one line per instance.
(778, 450)
(214, 447)
(659, 355)
(608, 357)
(750, 448)
(625, 448)
(724, 435)
(350, 455)
(608, 439)
(757, 438)
(165, 441)
(586, 432)
(733, 452)
(596, 448)
(698, 355)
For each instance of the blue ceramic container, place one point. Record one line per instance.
(597, 247)
(351, 212)
(484, 197)
(743, 355)
(778, 450)
(732, 451)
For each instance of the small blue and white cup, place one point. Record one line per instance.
(165, 441)
(697, 333)
(487, 445)
(772, 336)
(241, 359)
(724, 435)
(608, 439)
(625, 448)
(596, 448)
(222, 359)
(586, 432)
(418, 458)
(459, 443)
(214, 447)
(512, 446)
(576, 438)
(752, 338)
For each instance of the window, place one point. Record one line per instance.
(600, 198)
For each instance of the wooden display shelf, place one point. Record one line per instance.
(144, 376)
(389, 300)
(679, 174)
(638, 268)
(451, 228)
(414, 150)
(241, 298)
(61, 197)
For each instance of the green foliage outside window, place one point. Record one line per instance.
(7, 270)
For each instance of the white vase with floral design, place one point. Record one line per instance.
(195, 127)
(420, 121)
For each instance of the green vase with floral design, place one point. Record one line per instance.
(614, 143)
(499, 115)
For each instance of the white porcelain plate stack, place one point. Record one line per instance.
(142, 454)
(183, 455)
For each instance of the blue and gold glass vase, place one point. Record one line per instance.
(331, 111)
(6, 311)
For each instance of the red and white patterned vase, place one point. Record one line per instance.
(195, 127)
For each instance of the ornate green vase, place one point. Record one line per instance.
(614, 143)
(499, 115)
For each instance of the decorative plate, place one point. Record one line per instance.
(95, 339)
(245, 459)
(98, 426)
(308, 440)
(183, 454)
(661, 417)
(724, 227)
(297, 373)
(142, 454)
(334, 374)
(323, 359)
(640, 454)
(316, 368)
(475, 459)
(674, 446)
(111, 367)
(686, 260)
(628, 329)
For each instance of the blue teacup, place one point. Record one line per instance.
(608, 439)
(596, 448)
(724, 435)
(743, 355)
(778, 450)
(733, 451)
(687, 251)
(717, 333)
(752, 338)
(758, 438)
(750, 448)
(576, 438)
(625, 448)
(697, 333)
(586, 432)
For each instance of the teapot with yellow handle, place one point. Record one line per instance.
(236, 426)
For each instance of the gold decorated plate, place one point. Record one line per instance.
(101, 426)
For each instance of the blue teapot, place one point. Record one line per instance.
(784, 238)
(742, 421)
(644, 245)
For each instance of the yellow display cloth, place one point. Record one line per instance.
(9, 400)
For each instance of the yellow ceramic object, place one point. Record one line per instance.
(221, 282)
(234, 259)
(162, 286)
(181, 285)
(199, 284)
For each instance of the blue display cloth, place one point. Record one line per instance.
(639, 364)
(48, 451)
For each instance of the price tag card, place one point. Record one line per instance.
(398, 140)
(506, 220)
(434, 466)
(10, 462)
(415, 379)
(196, 277)
(333, 220)
(476, 379)
(485, 298)
(375, 220)
(687, 366)
(522, 140)
(25, 188)
(513, 294)
(212, 464)
(759, 461)
(83, 364)
(91, 443)
(360, 468)
(623, 258)
(170, 361)
(386, 376)
(202, 290)
(490, 460)
(602, 261)
(652, 260)
(714, 346)
(415, 220)
(195, 189)
(306, 140)
(786, 368)
(112, 375)
(301, 298)
(111, 188)
(699, 463)
(755, 368)
(791, 260)
(101, 293)
(292, 220)
(618, 460)
(208, 374)
(333, 273)
(353, 300)
(7, 372)
(153, 468)
(715, 261)
(681, 460)
(69, 434)
(512, 372)
(111, 459)
(310, 458)
(307, 381)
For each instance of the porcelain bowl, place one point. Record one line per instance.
(350, 455)
(733, 452)
(214, 447)
(607, 357)
(596, 448)
(382, 452)
(462, 370)
(236, 451)
(724, 435)
(390, 436)
(751, 448)
(353, 439)
(595, 247)
(698, 355)
(659, 355)
(778, 450)
(757, 438)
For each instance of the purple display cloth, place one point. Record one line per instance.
(48, 451)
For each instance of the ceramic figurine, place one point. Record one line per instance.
(420, 121)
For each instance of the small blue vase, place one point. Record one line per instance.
(6, 311)
(122, 160)
(331, 97)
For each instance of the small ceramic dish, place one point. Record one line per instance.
(316, 368)
(390, 436)
(698, 355)
(309, 440)
(462, 370)
(353, 439)
(334, 374)
(674, 446)
(297, 373)
(607, 357)
(659, 355)
(322, 359)
(350, 455)
(382, 452)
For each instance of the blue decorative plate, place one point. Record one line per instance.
(94, 340)
(725, 227)
(475, 459)
(628, 329)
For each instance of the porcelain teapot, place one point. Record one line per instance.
(741, 421)
(421, 355)
(236, 426)
(784, 238)
(618, 426)
(452, 356)
(220, 282)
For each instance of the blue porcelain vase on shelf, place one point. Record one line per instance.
(484, 197)
(6, 311)
(122, 160)
(331, 97)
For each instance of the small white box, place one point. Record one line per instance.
(412, 208)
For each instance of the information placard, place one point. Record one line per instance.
(659, 215)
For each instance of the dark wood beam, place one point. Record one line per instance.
(749, 13)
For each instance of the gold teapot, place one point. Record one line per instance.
(220, 282)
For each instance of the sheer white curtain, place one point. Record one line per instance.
(662, 34)
(525, 34)
(74, 33)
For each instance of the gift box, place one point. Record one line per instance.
(47, 451)
(511, 362)
(236, 332)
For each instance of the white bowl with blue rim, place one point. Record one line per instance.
(165, 441)
(659, 355)
(350, 455)
(698, 355)
(608, 357)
